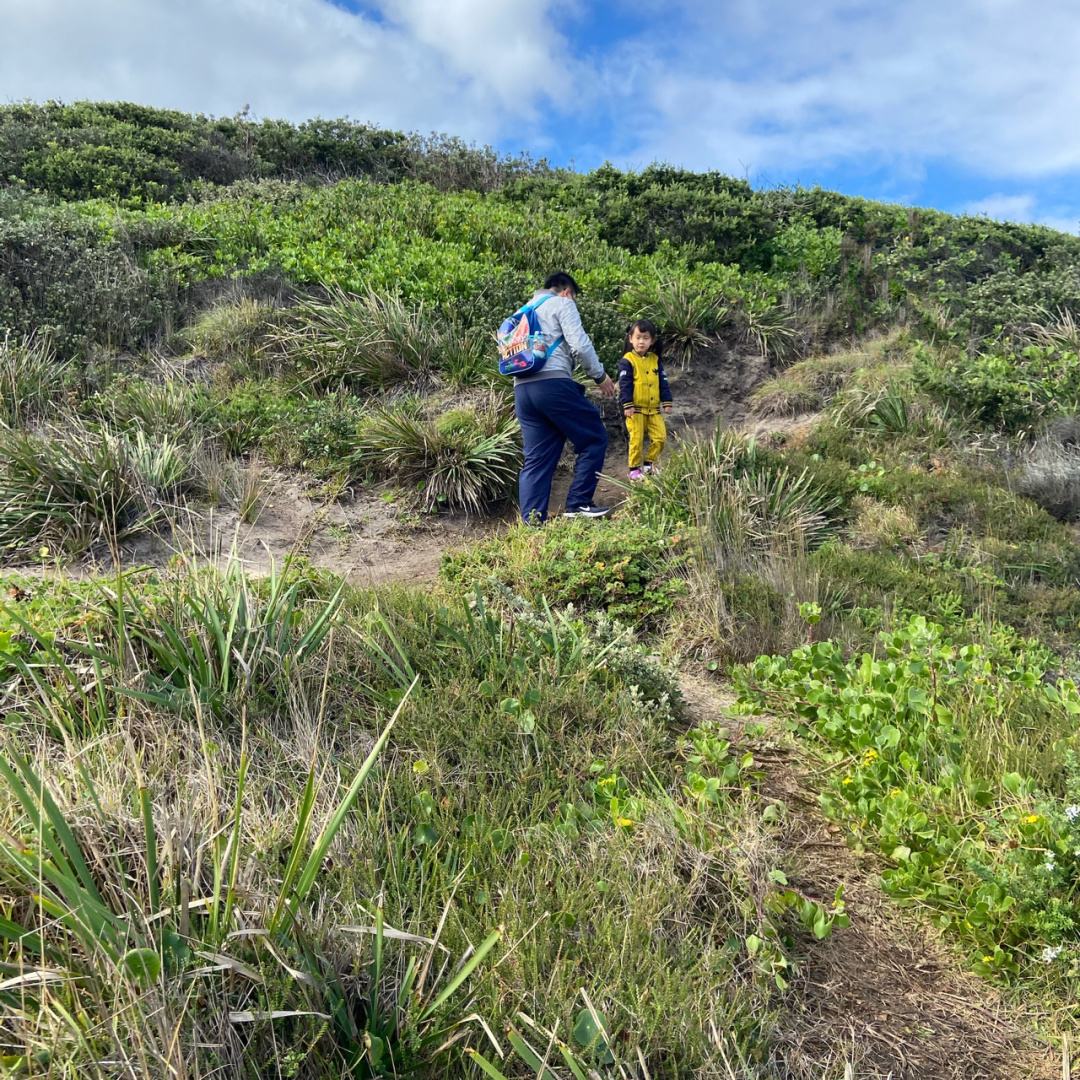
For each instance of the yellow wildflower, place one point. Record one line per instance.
(1032, 819)
(624, 822)
(988, 959)
(871, 754)
(893, 792)
(600, 565)
(848, 780)
(43, 552)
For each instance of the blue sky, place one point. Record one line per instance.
(966, 105)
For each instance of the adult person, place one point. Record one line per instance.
(552, 408)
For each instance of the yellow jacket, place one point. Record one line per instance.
(642, 382)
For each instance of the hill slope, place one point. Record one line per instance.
(773, 774)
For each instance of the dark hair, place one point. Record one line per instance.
(561, 280)
(649, 327)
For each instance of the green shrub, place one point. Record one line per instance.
(945, 773)
(315, 432)
(78, 278)
(632, 572)
(244, 415)
(126, 151)
(1007, 391)
(967, 498)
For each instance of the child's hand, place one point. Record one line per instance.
(629, 410)
(667, 406)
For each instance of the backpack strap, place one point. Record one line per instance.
(532, 306)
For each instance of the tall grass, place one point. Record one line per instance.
(754, 520)
(130, 949)
(237, 332)
(376, 836)
(33, 381)
(74, 485)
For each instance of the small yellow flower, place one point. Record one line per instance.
(894, 792)
(848, 780)
(43, 552)
(624, 822)
(871, 754)
(988, 959)
(600, 565)
(1032, 819)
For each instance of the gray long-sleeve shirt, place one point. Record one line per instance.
(560, 316)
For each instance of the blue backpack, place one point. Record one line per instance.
(521, 343)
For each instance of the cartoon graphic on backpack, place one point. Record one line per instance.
(521, 343)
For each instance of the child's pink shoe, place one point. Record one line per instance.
(636, 474)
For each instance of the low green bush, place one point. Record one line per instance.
(952, 760)
(633, 572)
(1010, 391)
(315, 432)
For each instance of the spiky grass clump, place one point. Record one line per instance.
(464, 459)
(236, 332)
(33, 381)
(767, 325)
(365, 342)
(74, 486)
(130, 403)
(686, 315)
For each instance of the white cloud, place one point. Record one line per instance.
(1004, 207)
(428, 64)
(985, 85)
(1024, 208)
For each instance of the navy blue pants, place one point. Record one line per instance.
(550, 412)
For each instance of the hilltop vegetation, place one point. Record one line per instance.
(285, 826)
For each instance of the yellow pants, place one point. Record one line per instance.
(639, 426)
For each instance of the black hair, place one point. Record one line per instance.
(561, 280)
(648, 327)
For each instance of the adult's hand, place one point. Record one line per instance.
(607, 388)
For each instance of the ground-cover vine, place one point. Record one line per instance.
(955, 760)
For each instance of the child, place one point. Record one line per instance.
(644, 393)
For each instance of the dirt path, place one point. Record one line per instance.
(883, 996)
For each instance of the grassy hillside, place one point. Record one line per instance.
(505, 823)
